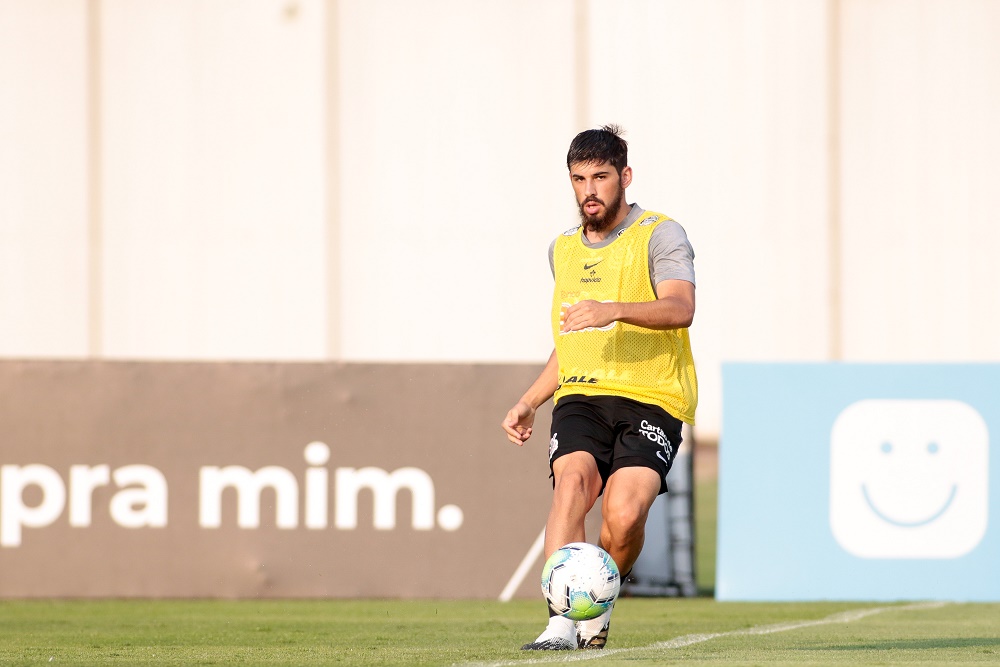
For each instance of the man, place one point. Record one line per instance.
(621, 374)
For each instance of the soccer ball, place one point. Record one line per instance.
(580, 581)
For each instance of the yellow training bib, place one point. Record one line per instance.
(620, 359)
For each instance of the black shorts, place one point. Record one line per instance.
(618, 432)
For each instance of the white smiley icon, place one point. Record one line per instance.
(909, 478)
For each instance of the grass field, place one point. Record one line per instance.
(706, 493)
(645, 631)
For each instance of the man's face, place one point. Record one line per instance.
(600, 193)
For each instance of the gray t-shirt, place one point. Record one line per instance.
(671, 256)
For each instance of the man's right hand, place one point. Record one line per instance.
(518, 423)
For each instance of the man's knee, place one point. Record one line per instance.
(624, 516)
(576, 473)
(627, 500)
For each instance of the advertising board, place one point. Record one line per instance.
(859, 482)
(139, 479)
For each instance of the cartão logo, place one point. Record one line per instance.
(909, 478)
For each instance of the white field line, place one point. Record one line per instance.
(688, 640)
(522, 570)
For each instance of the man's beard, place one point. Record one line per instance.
(599, 223)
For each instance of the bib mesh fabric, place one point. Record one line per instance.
(620, 359)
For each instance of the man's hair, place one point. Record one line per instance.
(604, 144)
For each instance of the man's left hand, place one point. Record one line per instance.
(587, 314)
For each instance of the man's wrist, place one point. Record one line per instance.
(530, 403)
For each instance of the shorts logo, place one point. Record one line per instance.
(553, 445)
(666, 461)
(656, 434)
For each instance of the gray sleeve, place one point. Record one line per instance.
(671, 256)
(552, 257)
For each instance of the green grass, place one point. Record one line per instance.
(464, 632)
(705, 503)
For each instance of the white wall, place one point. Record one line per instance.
(379, 180)
(213, 183)
(43, 179)
(454, 132)
(920, 180)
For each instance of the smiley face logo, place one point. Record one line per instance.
(894, 484)
(909, 478)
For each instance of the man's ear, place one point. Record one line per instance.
(626, 176)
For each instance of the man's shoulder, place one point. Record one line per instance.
(650, 217)
(664, 229)
(661, 222)
(571, 232)
(667, 228)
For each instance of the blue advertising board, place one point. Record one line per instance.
(859, 482)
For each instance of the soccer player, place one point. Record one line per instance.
(622, 374)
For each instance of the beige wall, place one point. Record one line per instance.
(213, 182)
(378, 180)
(43, 178)
(921, 95)
(455, 117)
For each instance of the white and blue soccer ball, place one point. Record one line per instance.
(580, 581)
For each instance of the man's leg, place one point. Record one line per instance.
(627, 498)
(629, 494)
(577, 484)
(576, 487)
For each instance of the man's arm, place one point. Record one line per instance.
(521, 417)
(673, 308)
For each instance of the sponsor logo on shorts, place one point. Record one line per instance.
(553, 445)
(656, 434)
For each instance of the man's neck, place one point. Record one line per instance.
(594, 236)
